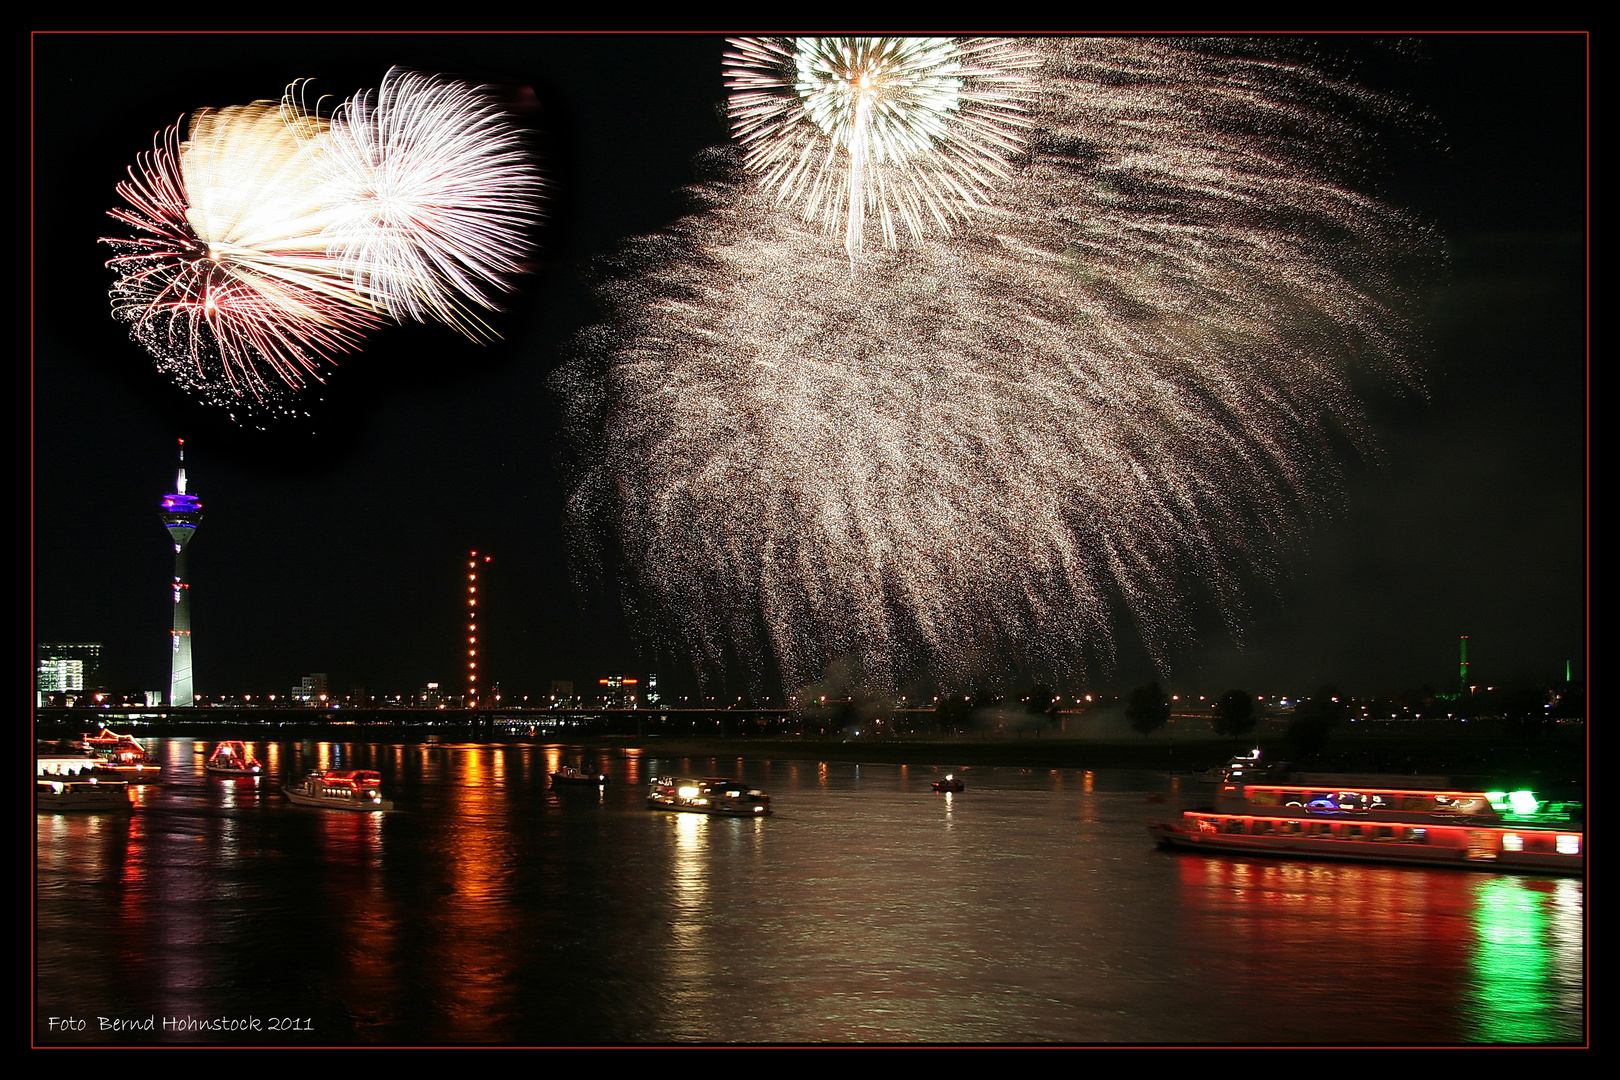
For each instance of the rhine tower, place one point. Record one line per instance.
(181, 515)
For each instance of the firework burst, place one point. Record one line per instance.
(435, 198)
(229, 280)
(1112, 395)
(916, 131)
(271, 238)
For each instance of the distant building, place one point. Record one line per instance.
(311, 690)
(86, 655)
(562, 694)
(650, 697)
(618, 692)
(66, 668)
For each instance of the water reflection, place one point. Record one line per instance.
(1029, 908)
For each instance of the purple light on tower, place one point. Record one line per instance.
(182, 513)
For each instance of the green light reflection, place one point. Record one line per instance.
(1527, 961)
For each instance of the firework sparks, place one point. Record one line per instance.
(435, 195)
(271, 239)
(1108, 398)
(914, 130)
(229, 278)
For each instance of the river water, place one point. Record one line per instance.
(489, 909)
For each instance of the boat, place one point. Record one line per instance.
(1426, 820)
(350, 789)
(55, 796)
(950, 783)
(572, 776)
(76, 783)
(711, 795)
(124, 756)
(233, 759)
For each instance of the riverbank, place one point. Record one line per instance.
(1549, 760)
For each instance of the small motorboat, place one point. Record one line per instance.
(233, 759)
(950, 783)
(575, 777)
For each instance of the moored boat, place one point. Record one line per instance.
(350, 789)
(1406, 819)
(233, 759)
(711, 795)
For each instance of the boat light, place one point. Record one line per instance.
(1523, 802)
(1512, 842)
(1569, 844)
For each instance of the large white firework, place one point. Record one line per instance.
(271, 238)
(1113, 396)
(434, 196)
(917, 130)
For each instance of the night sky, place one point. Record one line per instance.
(336, 543)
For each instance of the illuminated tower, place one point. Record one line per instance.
(1462, 671)
(181, 515)
(472, 628)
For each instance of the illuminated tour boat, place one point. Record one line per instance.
(124, 756)
(355, 789)
(75, 783)
(1409, 819)
(233, 759)
(950, 783)
(711, 795)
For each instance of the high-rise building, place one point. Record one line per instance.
(182, 513)
(66, 668)
(620, 692)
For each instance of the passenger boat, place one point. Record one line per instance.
(1408, 819)
(124, 756)
(355, 789)
(55, 796)
(76, 783)
(233, 759)
(570, 775)
(711, 795)
(950, 783)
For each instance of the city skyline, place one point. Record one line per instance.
(334, 543)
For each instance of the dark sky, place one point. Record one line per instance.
(335, 544)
